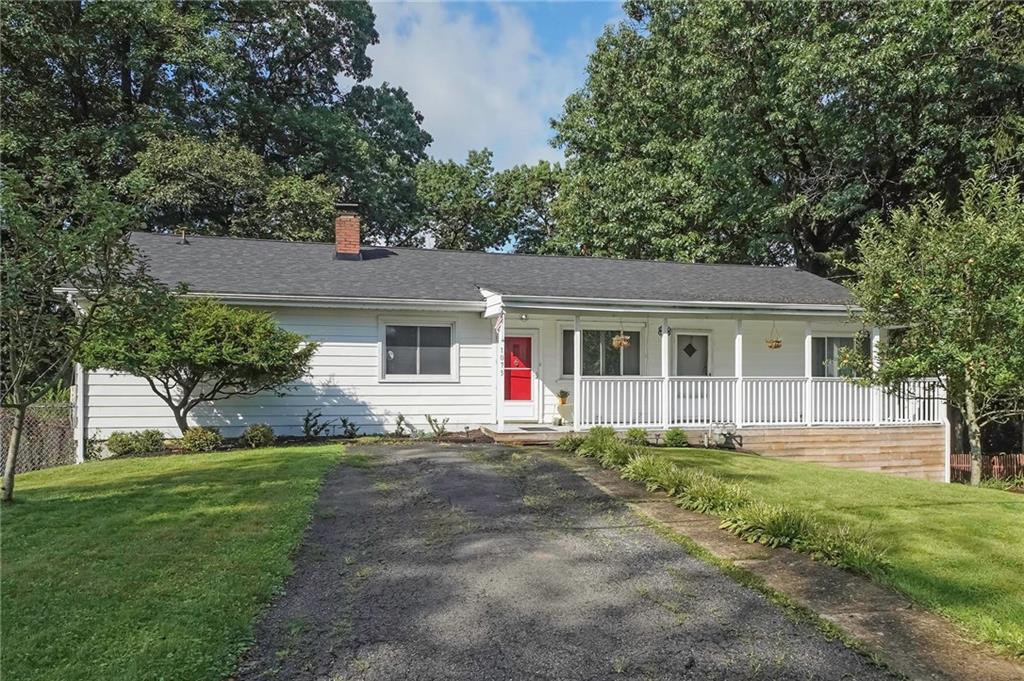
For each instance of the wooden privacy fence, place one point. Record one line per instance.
(992, 466)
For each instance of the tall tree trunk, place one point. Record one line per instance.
(12, 452)
(180, 418)
(974, 438)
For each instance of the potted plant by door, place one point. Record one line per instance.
(564, 408)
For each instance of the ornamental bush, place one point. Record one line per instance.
(676, 437)
(769, 524)
(136, 443)
(636, 436)
(706, 493)
(569, 443)
(257, 435)
(617, 453)
(647, 469)
(596, 441)
(201, 439)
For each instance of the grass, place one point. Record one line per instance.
(956, 550)
(150, 568)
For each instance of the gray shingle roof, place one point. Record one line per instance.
(252, 266)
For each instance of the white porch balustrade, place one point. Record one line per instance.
(652, 402)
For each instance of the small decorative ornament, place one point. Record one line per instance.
(773, 341)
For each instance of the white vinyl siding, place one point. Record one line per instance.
(345, 380)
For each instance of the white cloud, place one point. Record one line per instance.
(477, 81)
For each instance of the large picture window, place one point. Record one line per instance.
(417, 350)
(600, 358)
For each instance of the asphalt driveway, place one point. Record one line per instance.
(482, 562)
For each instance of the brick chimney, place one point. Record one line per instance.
(346, 233)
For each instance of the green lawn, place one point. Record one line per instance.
(149, 568)
(956, 550)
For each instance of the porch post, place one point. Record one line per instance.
(738, 345)
(577, 369)
(808, 375)
(876, 390)
(666, 360)
(499, 361)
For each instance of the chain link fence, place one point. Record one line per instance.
(47, 438)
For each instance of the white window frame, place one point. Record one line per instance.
(383, 377)
(640, 328)
(816, 334)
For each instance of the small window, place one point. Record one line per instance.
(691, 355)
(600, 358)
(417, 350)
(825, 352)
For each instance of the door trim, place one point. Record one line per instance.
(509, 407)
(676, 333)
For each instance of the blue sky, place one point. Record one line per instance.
(488, 74)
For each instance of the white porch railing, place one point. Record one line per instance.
(652, 401)
(701, 401)
(621, 402)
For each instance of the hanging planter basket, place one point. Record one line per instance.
(620, 341)
(773, 341)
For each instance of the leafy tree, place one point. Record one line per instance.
(460, 207)
(195, 350)
(770, 132)
(952, 285)
(526, 195)
(221, 187)
(72, 239)
(244, 95)
(470, 206)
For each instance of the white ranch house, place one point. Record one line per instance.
(489, 340)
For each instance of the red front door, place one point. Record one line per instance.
(518, 363)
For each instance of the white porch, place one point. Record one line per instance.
(691, 370)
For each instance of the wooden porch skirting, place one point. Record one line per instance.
(914, 451)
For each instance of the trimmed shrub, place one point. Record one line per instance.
(121, 444)
(257, 435)
(636, 436)
(136, 443)
(676, 437)
(569, 443)
(201, 439)
(705, 493)
(770, 524)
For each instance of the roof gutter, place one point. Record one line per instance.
(374, 303)
(574, 304)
